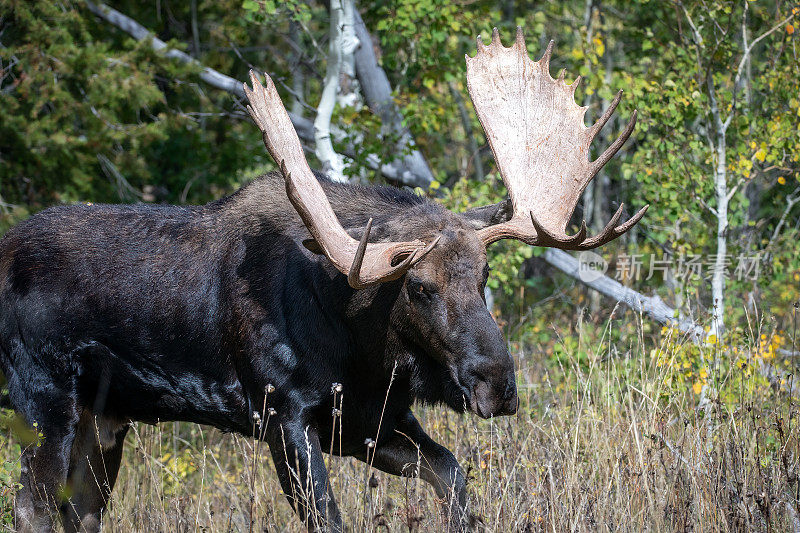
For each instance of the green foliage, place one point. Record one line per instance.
(9, 467)
(675, 153)
(9, 485)
(261, 12)
(93, 115)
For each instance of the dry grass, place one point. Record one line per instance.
(601, 443)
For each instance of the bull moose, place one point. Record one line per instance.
(265, 299)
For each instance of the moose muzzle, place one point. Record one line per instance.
(495, 395)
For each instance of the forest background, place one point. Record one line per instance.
(659, 390)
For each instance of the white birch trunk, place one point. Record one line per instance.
(332, 163)
(349, 92)
(410, 169)
(720, 261)
(410, 166)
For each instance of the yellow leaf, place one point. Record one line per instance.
(761, 155)
(599, 46)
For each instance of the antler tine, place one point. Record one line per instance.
(363, 263)
(597, 126)
(619, 230)
(481, 46)
(421, 255)
(575, 84)
(257, 92)
(544, 62)
(598, 163)
(611, 231)
(519, 41)
(607, 234)
(496, 37)
(579, 241)
(354, 275)
(541, 145)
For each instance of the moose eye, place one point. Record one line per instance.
(418, 289)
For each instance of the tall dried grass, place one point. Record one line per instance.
(603, 441)
(598, 445)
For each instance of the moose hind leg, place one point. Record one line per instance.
(44, 467)
(94, 464)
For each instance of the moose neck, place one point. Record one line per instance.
(377, 345)
(361, 319)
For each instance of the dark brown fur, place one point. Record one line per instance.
(154, 313)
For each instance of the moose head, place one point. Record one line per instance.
(541, 146)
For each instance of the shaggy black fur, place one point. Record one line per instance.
(114, 313)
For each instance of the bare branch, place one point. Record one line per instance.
(734, 189)
(411, 167)
(791, 200)
(653, 306)
(695, 32)
(746, 56)
(705, 204)
(749, 49)
(397, 171)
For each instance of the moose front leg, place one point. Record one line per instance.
(298, 460)
(411, 452)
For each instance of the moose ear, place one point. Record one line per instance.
(489, 215)
(313, 245)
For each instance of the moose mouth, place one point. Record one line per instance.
(480, 408)
(485, 402)
(480, 398)
(465, 390)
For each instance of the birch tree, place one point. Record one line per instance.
(710, 112)
(342, 44)
(721, 113)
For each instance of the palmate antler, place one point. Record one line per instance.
(539, 141)
(362, 263)
(540, 144)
